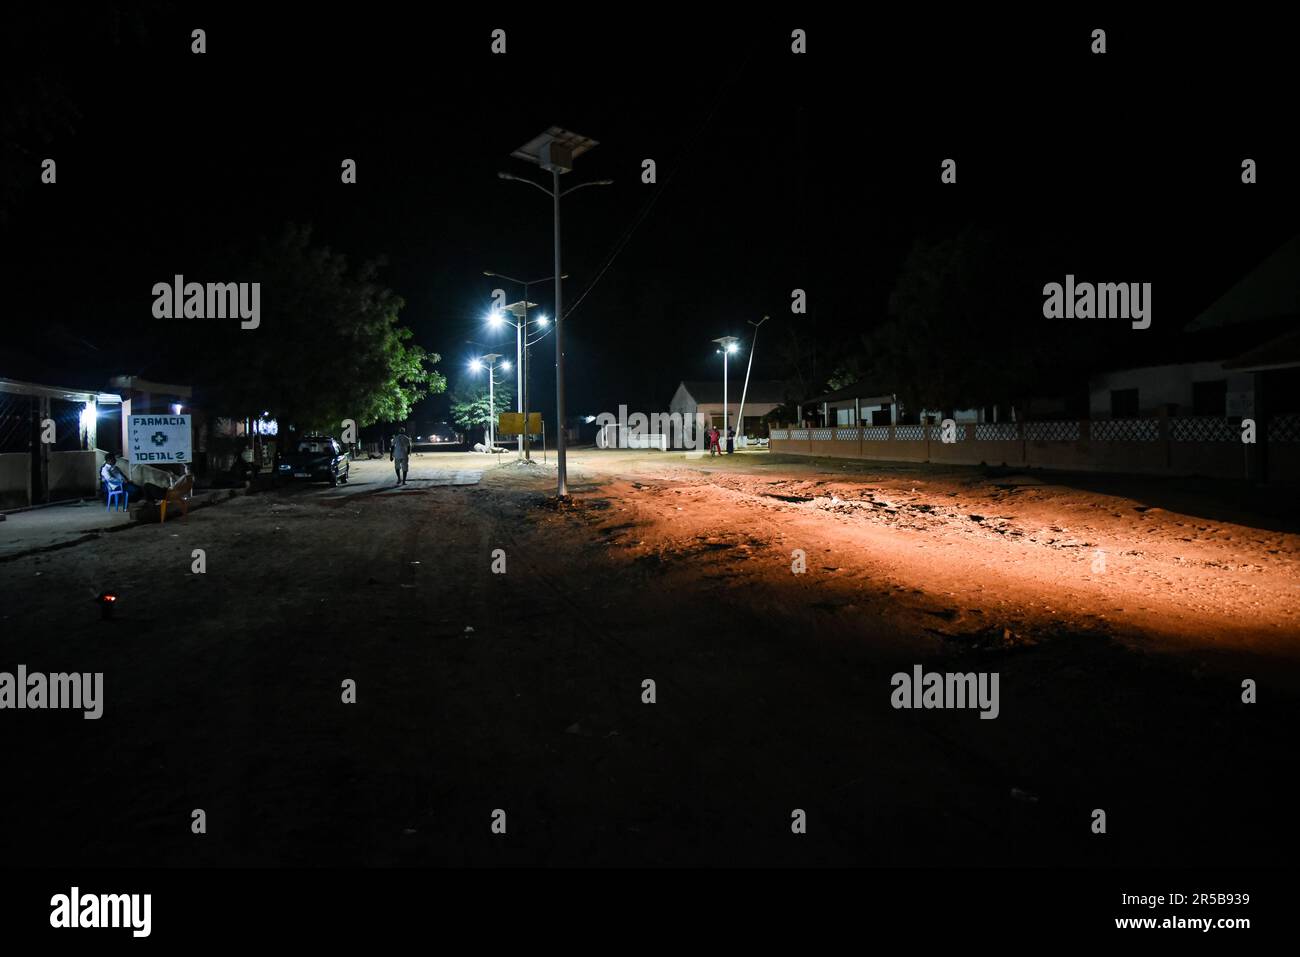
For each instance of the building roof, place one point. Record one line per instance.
(761, 391)
(1211, 344)
(1269, 291)
(73, 374)
(1280, 353)
(52, 391)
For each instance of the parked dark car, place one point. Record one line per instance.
(313, 458)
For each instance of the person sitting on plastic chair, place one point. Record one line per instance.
(114, 480)
(116, 485)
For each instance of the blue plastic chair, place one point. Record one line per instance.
(119, 493)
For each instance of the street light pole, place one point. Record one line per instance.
(491, 359)
(728, 344)
(740, 413)
(520, 311)
(555, 150)
(523, 371)
(562, 479)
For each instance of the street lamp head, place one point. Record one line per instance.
(475, 365)
(494, 319)
(541, 320)
(731, 347)
(555, 150)
(505, 366)
(488, 272)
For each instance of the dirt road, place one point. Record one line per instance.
(523, 691)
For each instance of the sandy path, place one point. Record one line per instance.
(1011, 552)
(523, 690)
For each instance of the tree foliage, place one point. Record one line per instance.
(329, 345)
(966, 327)
(470, 406)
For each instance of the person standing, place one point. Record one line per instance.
(400, 454)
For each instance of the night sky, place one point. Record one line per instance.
(774, 171)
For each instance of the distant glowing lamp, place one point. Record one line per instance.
(106, 601)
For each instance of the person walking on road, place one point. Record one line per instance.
(400, 455)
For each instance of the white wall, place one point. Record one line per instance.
(73, 474)
(755, 409)
(843, 414)
(15, 473)
(1159, 386)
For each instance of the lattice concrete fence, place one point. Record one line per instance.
(1201, 445)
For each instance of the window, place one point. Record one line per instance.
(1210, 397)
(1123, 403)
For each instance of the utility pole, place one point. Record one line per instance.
(491, 360)
(727, 346)
(554, 151)
(522, 352)
(740, 414)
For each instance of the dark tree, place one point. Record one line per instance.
(966, 326)
(329, 345)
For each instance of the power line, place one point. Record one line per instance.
(654, 197)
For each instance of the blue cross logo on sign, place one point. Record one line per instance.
(160, 438)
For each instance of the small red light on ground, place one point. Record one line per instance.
(106, 600)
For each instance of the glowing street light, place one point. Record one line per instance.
(477, 365)
(520, 311)
(555, 151)
(727, 345)
(740, 413)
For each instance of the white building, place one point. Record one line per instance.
(1238, 358)
(762, 397)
